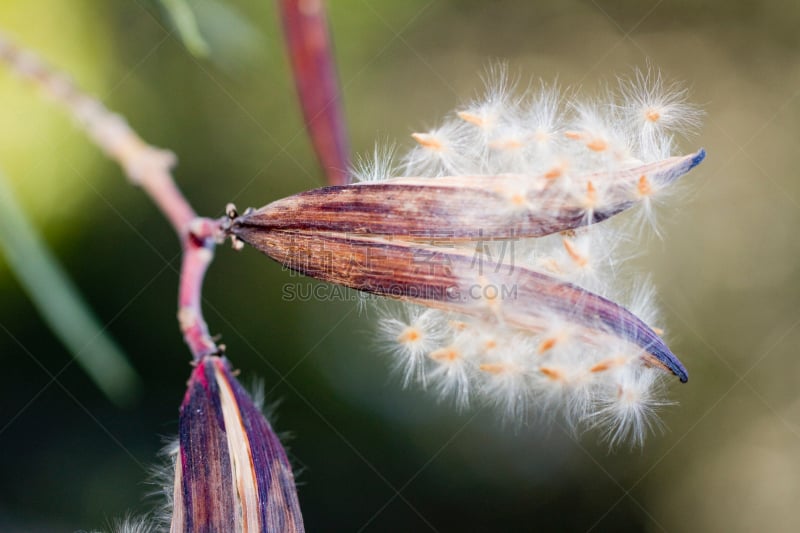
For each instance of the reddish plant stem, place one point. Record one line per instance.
(198, 251)
(147, 167)
(161, 188)
(310, 50)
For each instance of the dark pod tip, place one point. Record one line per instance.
(668, 359)
(696, 160)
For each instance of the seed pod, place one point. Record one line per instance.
(471, 207)
(452, 280)
(232, 473)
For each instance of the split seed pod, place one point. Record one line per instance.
(543, 327)
(364, 237)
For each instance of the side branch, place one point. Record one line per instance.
(145, 166)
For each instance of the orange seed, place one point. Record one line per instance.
(579, 259)
(644, 186)
(551, 373)
(597, 145)
(652, 115)
(428, 141)
(410, 334)
(547, 344)
(493, 368)
(472, 118)
(445, 354)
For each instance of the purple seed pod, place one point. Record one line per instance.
(504, 206)
(232, 473)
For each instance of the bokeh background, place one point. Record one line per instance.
(375, 457)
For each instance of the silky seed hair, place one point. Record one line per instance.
(581, 152)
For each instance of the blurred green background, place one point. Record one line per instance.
(727, 269)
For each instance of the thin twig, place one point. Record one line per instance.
(147, 167)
